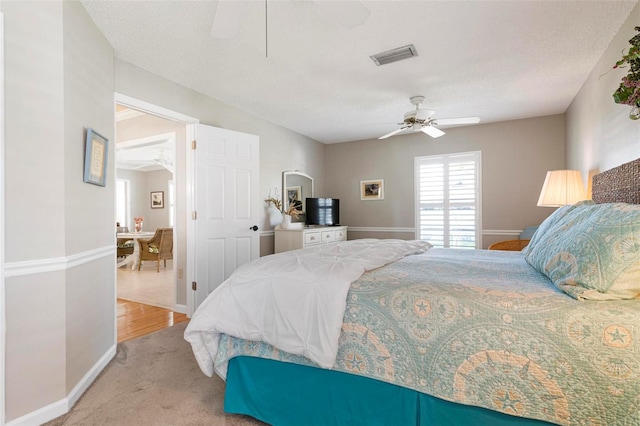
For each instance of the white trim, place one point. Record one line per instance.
(40, 266)
(153, 109)
(267, 234)
(502, 231)
(182, 309)
(58, 408)
(127, 114)
(3, 310)
(380, 229)
(190, 123)
(412, 230)
(190, 261)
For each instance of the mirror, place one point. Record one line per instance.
(296, 187)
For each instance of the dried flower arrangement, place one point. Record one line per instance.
(291, 211)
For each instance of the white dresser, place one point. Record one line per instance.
(291, 239)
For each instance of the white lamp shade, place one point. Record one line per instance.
(562, 187)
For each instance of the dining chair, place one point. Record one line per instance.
(159, 247)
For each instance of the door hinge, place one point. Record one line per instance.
(194, 215)
(193, 144)
(194, 285)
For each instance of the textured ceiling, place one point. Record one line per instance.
(499, 60)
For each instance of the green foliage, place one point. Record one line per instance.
(628, 93)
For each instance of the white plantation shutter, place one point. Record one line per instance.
(448, 199)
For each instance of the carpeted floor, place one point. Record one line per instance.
(153, 380)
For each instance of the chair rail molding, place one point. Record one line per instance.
(39, 266)
(413, 230)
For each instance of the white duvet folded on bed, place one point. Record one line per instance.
(294, 301)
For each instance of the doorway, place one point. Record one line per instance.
(145, 205)
(139, 124)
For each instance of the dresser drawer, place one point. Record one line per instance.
(311, 238)
(328, 236)
(293, 239)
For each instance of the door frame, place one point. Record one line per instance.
(186, 174)
(3, 308)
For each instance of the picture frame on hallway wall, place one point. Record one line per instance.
(157, 200)
(96, 149)
(372, 189)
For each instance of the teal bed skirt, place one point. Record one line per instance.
(286, 394)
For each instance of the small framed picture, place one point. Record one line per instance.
(372, 189)
(95, 158)
(157, 200)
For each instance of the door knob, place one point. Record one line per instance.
(254, 227)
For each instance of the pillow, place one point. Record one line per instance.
(592, 251)
(550, 222)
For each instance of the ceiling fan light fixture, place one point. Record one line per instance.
(394, 55)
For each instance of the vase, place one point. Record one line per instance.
(138, 226)
(286, 221)
(634, 114)
(275, 215)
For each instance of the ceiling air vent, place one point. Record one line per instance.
(395, 55)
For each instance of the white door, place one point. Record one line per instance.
(227, 204)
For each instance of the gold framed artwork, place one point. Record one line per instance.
(95, 158)
(372, 189)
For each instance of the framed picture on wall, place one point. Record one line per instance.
(372, 189)
(96, 148)
(157, 200)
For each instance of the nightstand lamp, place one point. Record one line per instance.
(562, 187)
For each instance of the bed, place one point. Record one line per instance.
(439, 336)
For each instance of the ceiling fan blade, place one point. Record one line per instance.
(432, 131)
(395, 132)
(226, 21)
(424, 114)
(463, 120)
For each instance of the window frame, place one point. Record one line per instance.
(127, 201)
(446, 160)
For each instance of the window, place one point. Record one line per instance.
(448, 199)
(122, 201)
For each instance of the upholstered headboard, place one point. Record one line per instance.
(618, 185)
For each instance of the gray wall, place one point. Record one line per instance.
(59, 238)
(600, 134)
(515, 158)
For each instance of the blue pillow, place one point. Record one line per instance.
(592, 251)
(550, 222)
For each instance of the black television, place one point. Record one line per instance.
(323, 211)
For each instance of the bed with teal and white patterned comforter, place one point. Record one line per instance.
(484, 328)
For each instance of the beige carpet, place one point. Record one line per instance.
(153, 380)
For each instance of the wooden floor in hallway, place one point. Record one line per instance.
(137, 319)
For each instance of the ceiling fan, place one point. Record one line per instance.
(420, 119)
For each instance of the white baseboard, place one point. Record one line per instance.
(180, 309)
(61, 407)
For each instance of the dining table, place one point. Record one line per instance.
(133, 259)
